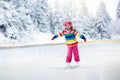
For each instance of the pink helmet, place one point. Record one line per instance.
(67, 22)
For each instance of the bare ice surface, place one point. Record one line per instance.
(99, 61)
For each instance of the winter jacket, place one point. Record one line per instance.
(70, 36)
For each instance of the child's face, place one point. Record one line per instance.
(69, 26)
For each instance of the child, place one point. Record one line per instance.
(70, 35)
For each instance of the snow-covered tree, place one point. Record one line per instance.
(20, 3)
(22, 17)
(58, 21)
(51, 20)
(102, 20)
(7, 0)
(40, 15)
(83, 17)
(5, 11)
(69, 10)
(15, 22)
(118, 11)
(59, 16)
(114, 29)
(89, 30)
(84, 21)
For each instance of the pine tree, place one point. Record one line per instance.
(85, 21)
(20, 3)
(6, 18)
(57, 18)
(40, 15)
(118, 11)
(114, 29)
(89, 30)
(102, 20)
(6, 0)
(16, 21)
(69, 10)
(58, 21)
(81, 16)
(52, 25)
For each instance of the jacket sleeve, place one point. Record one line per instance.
(80, 35)
(57, 35)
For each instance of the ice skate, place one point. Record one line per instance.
(67, 65)
(77, 64)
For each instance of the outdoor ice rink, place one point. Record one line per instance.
(99, 61)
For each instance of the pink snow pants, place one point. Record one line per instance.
(73, 51)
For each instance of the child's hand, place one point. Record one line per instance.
(85, 40)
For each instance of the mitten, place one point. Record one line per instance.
(52, 38)
(84, 39)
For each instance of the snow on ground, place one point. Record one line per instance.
(37, 39)
(99, 61)
(29, 39)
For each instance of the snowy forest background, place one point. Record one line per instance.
(20, 19)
